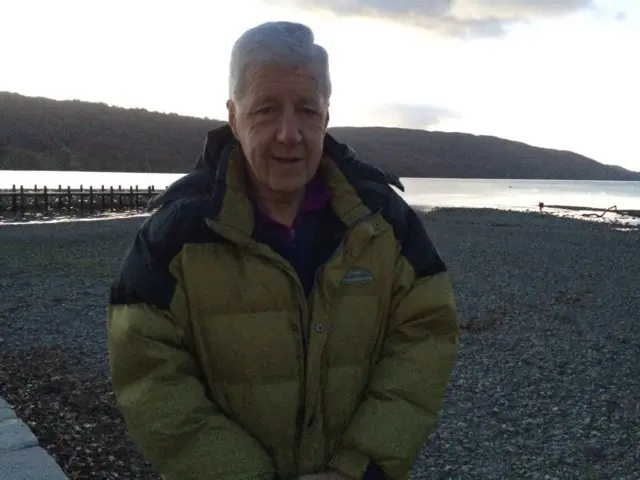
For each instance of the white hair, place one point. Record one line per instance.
(285, 44)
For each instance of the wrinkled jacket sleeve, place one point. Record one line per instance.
(156, 379)
(407, 386)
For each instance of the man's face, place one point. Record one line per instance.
(280, 122)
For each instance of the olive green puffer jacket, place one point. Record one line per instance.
(223, 369)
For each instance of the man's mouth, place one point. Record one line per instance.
(287, 159)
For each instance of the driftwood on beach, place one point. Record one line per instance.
(602, 211)
(19, 201)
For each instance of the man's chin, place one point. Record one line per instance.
(287, 187)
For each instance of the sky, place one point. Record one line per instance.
(552, 73)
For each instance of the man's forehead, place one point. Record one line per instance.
(272, 89)
(272, 75)
(267, 69)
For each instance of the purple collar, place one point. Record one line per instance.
(316, 197)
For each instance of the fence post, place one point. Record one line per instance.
(59, 197)
(90, 198)
(69, 198)
(21, 200)
(45, 200)
(81, 200)
(111, 198)
(14, 200)
(36, 203)
(102, 200)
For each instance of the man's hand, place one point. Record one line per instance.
(328, 475)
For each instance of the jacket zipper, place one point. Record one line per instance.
(335, 253)
(302, 413)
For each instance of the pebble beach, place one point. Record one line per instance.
(547, 384)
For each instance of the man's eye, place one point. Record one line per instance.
(265, 110)
(310, 112)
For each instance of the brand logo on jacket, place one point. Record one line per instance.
(357, 276)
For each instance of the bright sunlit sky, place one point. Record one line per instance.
(553, 73)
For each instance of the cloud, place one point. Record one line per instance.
(458, 18)
(411, 115)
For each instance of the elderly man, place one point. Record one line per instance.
(283, 313)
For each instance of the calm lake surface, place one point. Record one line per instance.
(423, 192)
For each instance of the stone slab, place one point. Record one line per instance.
(15, 435)
(21, 457)
(32, 463)
(6, 413)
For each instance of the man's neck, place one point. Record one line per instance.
(281, 207)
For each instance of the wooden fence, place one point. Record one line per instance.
(22, 200)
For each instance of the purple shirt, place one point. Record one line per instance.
(316, 197)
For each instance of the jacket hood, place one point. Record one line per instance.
(220, 141)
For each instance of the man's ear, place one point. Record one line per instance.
(231, 109)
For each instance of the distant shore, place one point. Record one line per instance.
(629, 218)
(547, 373)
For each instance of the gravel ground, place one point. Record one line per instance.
(547, 384)
(53, 357)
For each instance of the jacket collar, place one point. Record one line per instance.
(221, 137)
(220, 179)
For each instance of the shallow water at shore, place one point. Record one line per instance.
(624, 222)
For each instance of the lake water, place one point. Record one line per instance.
(421, 192)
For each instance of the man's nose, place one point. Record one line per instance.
(289, 129)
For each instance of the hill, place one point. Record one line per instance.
(44, 134)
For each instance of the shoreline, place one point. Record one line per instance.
(582, 214)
